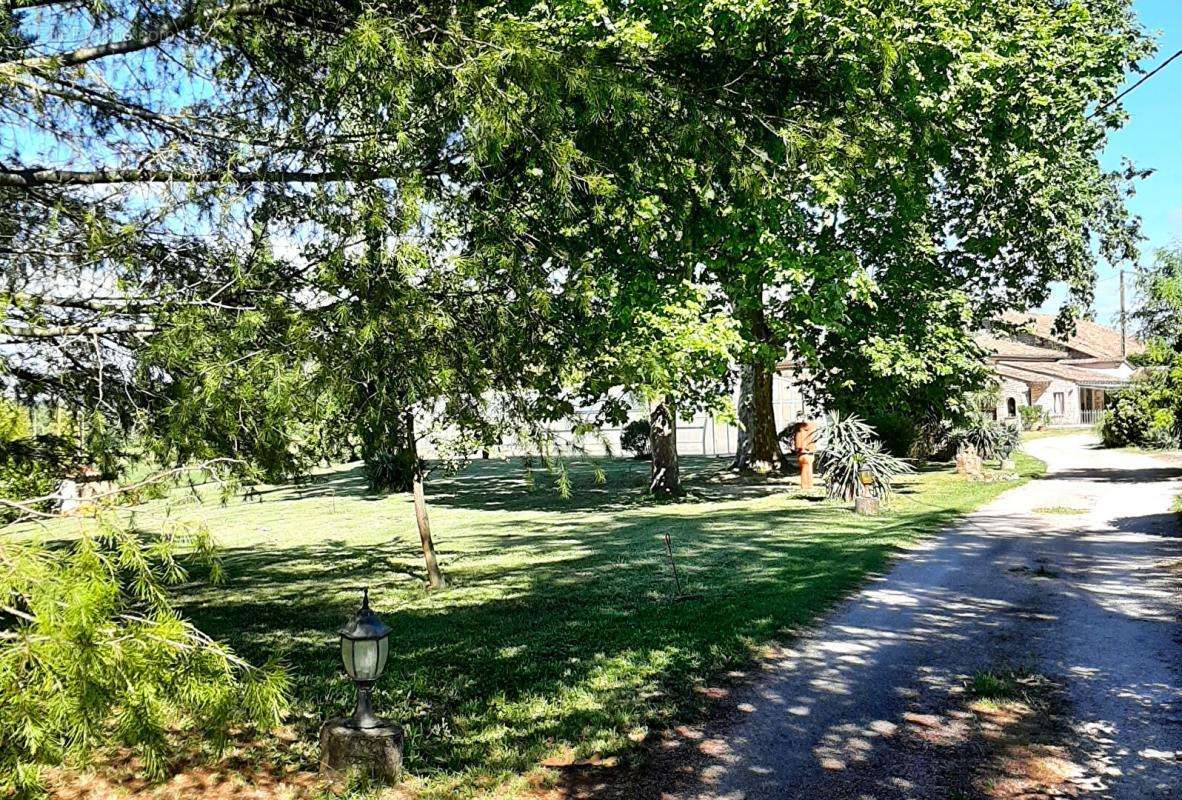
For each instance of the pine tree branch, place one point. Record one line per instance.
(31, 177)
(58, 332)
(166, 30)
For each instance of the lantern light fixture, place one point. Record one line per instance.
(365, 645)
(866, 478)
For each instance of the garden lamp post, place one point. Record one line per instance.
(866, 478)
(865, 502)
(365, 644)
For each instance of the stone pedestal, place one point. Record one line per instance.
(969, 463)
(376, 752)
(866, 505)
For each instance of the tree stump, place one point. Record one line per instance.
(376, 752)
(866, 505)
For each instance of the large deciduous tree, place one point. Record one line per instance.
(794, 157)
(260, 224)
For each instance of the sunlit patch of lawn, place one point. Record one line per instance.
(558, 632)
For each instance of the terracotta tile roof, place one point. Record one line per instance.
(1017, 372)
(1097, 341)
(1038, 383)
(1002, 347)
(1068, 372)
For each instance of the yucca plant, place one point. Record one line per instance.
(849, 450)
(1008, 441)
(990, 438)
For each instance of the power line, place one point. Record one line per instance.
(1144, 78)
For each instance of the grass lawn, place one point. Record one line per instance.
(558, 635)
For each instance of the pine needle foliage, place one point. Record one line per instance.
(93, 655)
(848, 448)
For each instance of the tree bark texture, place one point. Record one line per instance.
(764, 441)
(666, 472)
(743, 445)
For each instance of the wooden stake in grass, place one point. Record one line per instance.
(678, 596)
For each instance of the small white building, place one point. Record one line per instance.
(1069, 377)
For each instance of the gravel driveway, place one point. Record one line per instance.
(867, 705)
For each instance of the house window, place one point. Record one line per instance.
(1012, 407)
(1060, 404)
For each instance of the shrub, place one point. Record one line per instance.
(899, 433)
(1008, 442)
(848, 448)
(390, 470)
(14, 421)
(1034, 418)
(635, 438)
(34, 467)
(990, 438)
(1141, 415)
(24, 480)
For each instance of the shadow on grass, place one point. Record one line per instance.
(508, 485)
(553, 630)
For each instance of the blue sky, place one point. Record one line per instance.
(1152, 138)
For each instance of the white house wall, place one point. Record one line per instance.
(1071, 409)
(1020, 392)
(1015, 390)
(700, 434)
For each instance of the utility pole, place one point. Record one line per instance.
(1123, 325)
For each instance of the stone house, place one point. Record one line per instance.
(1070, 377)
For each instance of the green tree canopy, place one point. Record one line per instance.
(796, 158)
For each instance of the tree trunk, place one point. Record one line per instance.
(743, 446)
(666, 473)
(434, 573)
(764, 441)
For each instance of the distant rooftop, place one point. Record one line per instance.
(1095, 340)
(1004, 347)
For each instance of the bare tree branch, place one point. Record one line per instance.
(166, 30)
(29, 509)
(28, 5)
